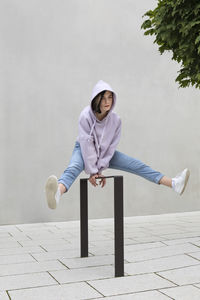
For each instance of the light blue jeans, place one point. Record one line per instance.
(119, 161)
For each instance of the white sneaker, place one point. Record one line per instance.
(179, 182)
(52, 191)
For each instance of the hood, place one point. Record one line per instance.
(99, 87)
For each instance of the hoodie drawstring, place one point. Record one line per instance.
(98, 145)
(92, 127)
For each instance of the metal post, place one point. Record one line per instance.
(118, 221)
(119, 234)
(84, 217)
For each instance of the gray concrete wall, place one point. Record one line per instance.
(52, 54)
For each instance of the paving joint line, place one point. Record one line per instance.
(63, 264)
(8, 295)
(33, 257)
(165, 278)
(43, 248)
(192, 256)
(18, 228)
(53, 277)
(165, 294)
(93, 288)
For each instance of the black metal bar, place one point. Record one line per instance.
(84, 217)
(119, 227)
(118, 221)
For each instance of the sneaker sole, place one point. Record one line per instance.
(186, 180)
(51, 187)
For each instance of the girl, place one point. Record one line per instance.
(95, 150)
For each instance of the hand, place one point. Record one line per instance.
(102, 181)
(92, 179)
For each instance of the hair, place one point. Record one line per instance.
(96, 102)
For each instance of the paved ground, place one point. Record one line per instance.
(42, 261)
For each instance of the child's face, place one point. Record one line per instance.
(106, 102)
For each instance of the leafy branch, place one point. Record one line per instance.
(176, 27)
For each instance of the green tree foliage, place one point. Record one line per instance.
(176, 26)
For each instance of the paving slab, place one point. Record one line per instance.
(8, 227)
(74, 275)
(179, 235)
(149, 239)
(4, 235)
(100, 236)
(108, 248)
(52, 255)
(139, 234)
(28, 226)
(130, 284)
(71, 224)
(9, 244)
(160, 264)
(142, 246)
(58, 247)
(75, 291)
(25, 281)
(12, 259)
(39, 236)
(166, 231)
(84, 262)
(101, 250)
(4, 296)
(17, 238)
(43, 242)
(182, 241)
(187, 275)
(21, 250)
(150, 295)
(183, 292)
(33, 267)
(160, 252)
(108, 243)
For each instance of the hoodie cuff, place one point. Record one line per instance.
(93, 174)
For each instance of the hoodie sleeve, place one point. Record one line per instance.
(104, 162)
(87, 146)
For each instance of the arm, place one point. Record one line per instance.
(87, 146)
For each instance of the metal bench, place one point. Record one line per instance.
(118, 221)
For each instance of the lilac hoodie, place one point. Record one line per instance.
(98, 139)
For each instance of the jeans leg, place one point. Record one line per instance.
(75, 167)
(121, 161)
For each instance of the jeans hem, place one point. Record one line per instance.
(158, 178)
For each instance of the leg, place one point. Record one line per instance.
(121, 161)
(75, 167)
(166, 181)
(54, 188)
(62, 188)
